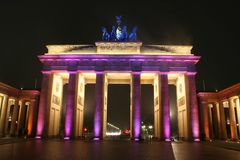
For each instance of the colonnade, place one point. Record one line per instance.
(51, 102)
(221, 118)
(17, 115)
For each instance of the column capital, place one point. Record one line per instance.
(99, 72)
(204, 102)
(72, 72)
(136, 72)
(163, 73)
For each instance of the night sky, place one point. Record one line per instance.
(212, 29)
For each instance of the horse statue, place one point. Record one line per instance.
(119, 32)
(133, 34)
(105, 35)
(113, 34)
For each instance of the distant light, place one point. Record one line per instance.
(136, 139)
(21, 88)
(150, 127)
(85, 129)
(143, 126)
(127, 131)
(113, 133)
(38, 137)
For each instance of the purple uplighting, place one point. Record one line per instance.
(197, 140)
(165, 106)
(70, 104)
(99, 105)
(194, 107)
(97, 124)
(66, 138)
(43, 104)
(136, 105)
(96, 139)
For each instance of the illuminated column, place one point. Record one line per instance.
(223, 132)
(157, 111)
(164, 106)
(105, 93)
(238, 113)
(32, 117)
(193, 107)
(79, 109)
(70, 105)
(22, 115)
(14, 117)
(136, 105)
(45, 95)
(98, 115)
(3, 114)
(216, 121)
(233, 125)
(206, 120)
(210, 121)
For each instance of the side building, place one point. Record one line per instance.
(220, 113)
(18, 111)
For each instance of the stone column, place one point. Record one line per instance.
(223, 132)
(165, 108)
(206, 120)
(215, 121)
(238, 113)
(98, 115)
(32, 110)
(14, 118)
(70, 105)
(233, 125)
(44, 104)
(22, 116)
(193, 107)
(136, 105)
(211, 129)
(3, 115)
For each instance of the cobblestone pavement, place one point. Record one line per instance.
(114, 150)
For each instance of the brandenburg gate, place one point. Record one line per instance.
(118, 63)
(118, 59)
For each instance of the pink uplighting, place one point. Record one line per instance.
(66, 138)
(38, 137)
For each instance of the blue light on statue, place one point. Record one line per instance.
(119, 32)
